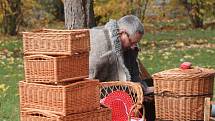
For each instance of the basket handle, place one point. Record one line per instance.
(35, 31)
(39, 57)
(83, 83)
(42, 112)
(164, 92)
(62, 30)
(134, 108)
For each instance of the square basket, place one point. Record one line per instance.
(54, 69)
(180, 108)
(100, 114)
(64, 99)
(56, 42)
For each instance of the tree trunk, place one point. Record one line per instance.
(195, 17)
(143, 9)
(196, 21)
(91, 22)
(79, 14)
(11, 16)
(59, 10)
(139, 8)
(55, 7)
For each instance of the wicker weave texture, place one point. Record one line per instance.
(101, 114)
(197, 81)
(187, 86)
(134, 90)
(179, 108)
(56, 42)
(64, 99)
(51, 69)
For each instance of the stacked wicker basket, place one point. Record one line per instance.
(55, 88)
(179, 94)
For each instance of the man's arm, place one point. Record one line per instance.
(144, 74)
(106, 67)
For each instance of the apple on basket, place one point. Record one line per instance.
(186, 65)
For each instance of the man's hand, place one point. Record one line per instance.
(149, 90)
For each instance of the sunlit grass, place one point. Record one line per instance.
(194, 34)
(156, 60)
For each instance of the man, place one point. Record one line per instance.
(108, 45)
(114, 50)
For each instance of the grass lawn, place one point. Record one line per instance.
(11, 71)
(156, 61)
(166, 50)
(160, 51)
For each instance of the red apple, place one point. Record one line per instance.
(186, 65)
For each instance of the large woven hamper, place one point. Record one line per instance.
(56, 42)
(195, 81)
(52, 69)
(64, 99)
(179, 108)
(100, 114)
(180, 93)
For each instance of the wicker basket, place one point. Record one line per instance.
(56, 42)
(101, 114)
(51, 69)
(179, 108)
(196, 81)
(62, 99)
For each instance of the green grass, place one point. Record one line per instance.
(194, 34)
(11, 71)
(156, 61)
(155, 58)
(178, 23)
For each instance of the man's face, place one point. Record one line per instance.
(130, 41)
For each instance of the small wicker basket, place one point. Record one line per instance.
(61, 99)
(179, 108)
(52, 69)
(101, 114)
(195, 81)
(56, 42)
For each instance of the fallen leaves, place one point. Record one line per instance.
(3, 89)
(179, 44)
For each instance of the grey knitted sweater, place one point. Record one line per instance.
(106, 56)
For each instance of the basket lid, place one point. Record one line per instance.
(193, 72)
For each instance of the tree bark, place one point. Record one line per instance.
(79, 14)
(11, 16)
(91, 22)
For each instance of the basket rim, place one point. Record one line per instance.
(53, 114)
(57, 56)
(36, 31)
(177, 72)
(135, 85)
(45, 112)
(84, 81)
